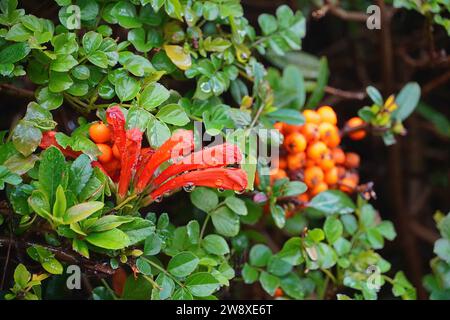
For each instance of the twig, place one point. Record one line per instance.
(340, 13)
(16, 91)
(423, 232)
(356, 95)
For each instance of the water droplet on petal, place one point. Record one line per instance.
(220, 190)
(158, 199)
(239, 191)
(189, 187)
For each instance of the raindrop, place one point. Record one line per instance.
(239, 191)
(158, 199)
(189, 187)
(220, 190)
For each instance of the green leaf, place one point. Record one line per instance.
(153, 95)
(38, 201)
(167, 286)
(26, 137)
(6, 176)
(108, 222)
(81, 211)
(289, 116)
(268, 23)
(183, 264)
(99, 58)
(113, 239)
(127, 88)
(49, 100)
(249, 274)
(333, 229)
(375, 95)
(157, 132)
(173, 114)
(294, 188)
(14, 52)
(182, 294)
(202, 284)
(137, 288)
(205, 199)
(332, 201)
(193, 231)
(438, 119)
(80, 172)
(143, 266)
(91, 41)
(215, 244)
(21, 276)
(60, 206)
(259, 255)
(269, 282)
(178, 56)
(63, 63)
(442, 249)
(59, 81)
(52, 266)
(278, 215)
(51, 172)
(407, 100)
(237, 205)
(152, 245)
(225, 221)
(386, 228)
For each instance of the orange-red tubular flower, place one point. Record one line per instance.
(216, 156)
(129, 159)
(178, 145)
(221, 178)
(116, 119)
(49, 139)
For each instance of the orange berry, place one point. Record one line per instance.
(338, 155)
(327, 114)
(303, 198)
(116, 152)
(295, 142)
(310, 131)
(352, 160)
(106, 153)
(326, 162)
(341, 172)
(353, 123)
(279, 126)
(347, 185)
(296, 161)
(354, 176)
(316, 150)
(278, 292)
(289, 128)
(320, 187)
(282, 163)
(329, 134)
(99, 132)
(311, 116)
(313, 176)
(310, 163)
(331, 176)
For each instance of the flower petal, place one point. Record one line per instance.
(49, 139)
(212, 157)
(130, 159)
(179, 144)
(116, 119)
(222, 178)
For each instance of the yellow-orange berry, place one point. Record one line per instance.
(295, 143)
(356, 122)
(327, 114)
(99, 132)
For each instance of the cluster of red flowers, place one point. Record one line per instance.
(139, 167)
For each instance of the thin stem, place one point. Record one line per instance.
(202, 232)
(153, 283)
(164, 271)
(329, 274)
(111, 291)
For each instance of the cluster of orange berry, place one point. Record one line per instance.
(109, 156)
(311, 153)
